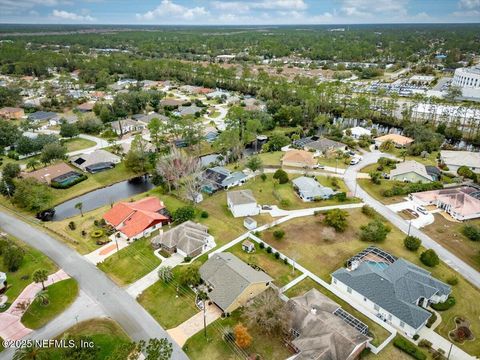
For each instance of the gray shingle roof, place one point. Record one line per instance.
(396, 288)
(229, 277)
(310, 188)
(241, 197)
(188, 237)
(410, 166)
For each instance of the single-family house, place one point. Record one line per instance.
(393, 289)
(310, 190)
(299, 158)
(434, 172)
(399, 141)
(410, 171)
(232, 283)
(210, 134)
(59, 173)
(171, 103)
(456, 159)
(96, 161)
(462, 203)
(242, 203)
(218, 178)
(250, 223)
(357, 132)
(121, 127)
(134, 220)
(146, 118)
(320, 329)
(11, 113)
(42, 116)
(248, 246)
(86, 107)
(189, 110)
(187, 239)
(212, 159)
(324, 146)
(3, 282)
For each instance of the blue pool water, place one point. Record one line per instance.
(378, 265)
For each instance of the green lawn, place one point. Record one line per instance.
(32, 260)
(322, 251)
(131, 263)
(167, 305)
(78, 143)
(376, 190)
(378, 333)
(61, 295)
(276, 268)
(332, 162)
(215, 348)
(271, 158)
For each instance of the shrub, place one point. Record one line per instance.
(95, 234)
(183, 214)
(269, 250)
(341, 196)
(72, 225)
(337, 219)
(281, 176)
(452, 280)
(4, 244)
(425, 343)
(375, 231)
(409, 348)
(431, 320)
(416, 336)
(412, 243)
(472, 232)
(285, 260)
(369, 211)
(12, 257)
(407, 188)
(445, 305)
(187, 259)
(285, 203)
(263, 177)
(262, 245)
(279, 234)
(277, 255)
(204, 214)
(429, 258)
(375, 177)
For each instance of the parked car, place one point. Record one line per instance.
(422, 210)
(355, 160)
(319, 166)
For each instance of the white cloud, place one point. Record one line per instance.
(170, 11)
(66, 15)
(20, 6)
(469, 4)
(244, 6)
(371, 8)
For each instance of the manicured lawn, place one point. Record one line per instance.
(169, 307)
(322, 251)
(94, 181)
(376, 191)
(332, 162)
(1, 345)
(336, 184)
(448, 233)
(215, 114)
(32, 260)
(378, 333)
(276, 268)
(271, 158)
(61, 295)
(131, 263)
(78, 143)
(215, 348)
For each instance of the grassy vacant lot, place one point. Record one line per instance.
(276, 268)
(376, 191)
(78, 143)
(131, 263)
(167, 305)
(449, 234)
(32, 260)
(322, 251)
(215, 348)
(271, 158)
(378, 333)
(60, 295)
(94, 181)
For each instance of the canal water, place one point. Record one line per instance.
(103, 196)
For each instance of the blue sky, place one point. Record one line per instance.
(235, 12)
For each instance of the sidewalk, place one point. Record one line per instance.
(11, 327)
(97, 256)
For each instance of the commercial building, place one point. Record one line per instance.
(468, 79)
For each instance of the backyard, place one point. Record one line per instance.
(376, 190)
(216, 348)
(281, 273)
(131, 263)
(321, 250)
(59, 295)
(77, 143)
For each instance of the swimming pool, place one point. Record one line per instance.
(379, 265)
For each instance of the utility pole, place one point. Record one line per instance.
(409, 226)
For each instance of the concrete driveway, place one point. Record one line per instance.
(419, 222)
(187, 329)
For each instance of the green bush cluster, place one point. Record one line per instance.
(281, 176)
(409, 348)
(430, 258)
(472, 232)
(12, 255)
(407, 188)
(412, 243)
(445, 305)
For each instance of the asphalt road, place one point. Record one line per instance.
(113, 300)
(452, 260)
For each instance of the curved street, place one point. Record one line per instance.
(115, 302)
(450, 259)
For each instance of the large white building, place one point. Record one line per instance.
(468, 79)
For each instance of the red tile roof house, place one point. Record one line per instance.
(134, 220)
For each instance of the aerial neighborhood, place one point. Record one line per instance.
(213, 193)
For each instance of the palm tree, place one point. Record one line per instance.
(40, 276)
(28, 353)
(43, 297)
(79, 206)
(32, 164)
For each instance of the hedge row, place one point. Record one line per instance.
(407, 188)
(409, 348)
(445, 305)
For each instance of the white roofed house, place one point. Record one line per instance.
(310, 190)
(3, 281)
(121, 127)
(358, 131)
(242, 203)
(455, 159)
(96, 161)
(411, 171)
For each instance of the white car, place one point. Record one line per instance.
(355, 160)
(422, 210)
